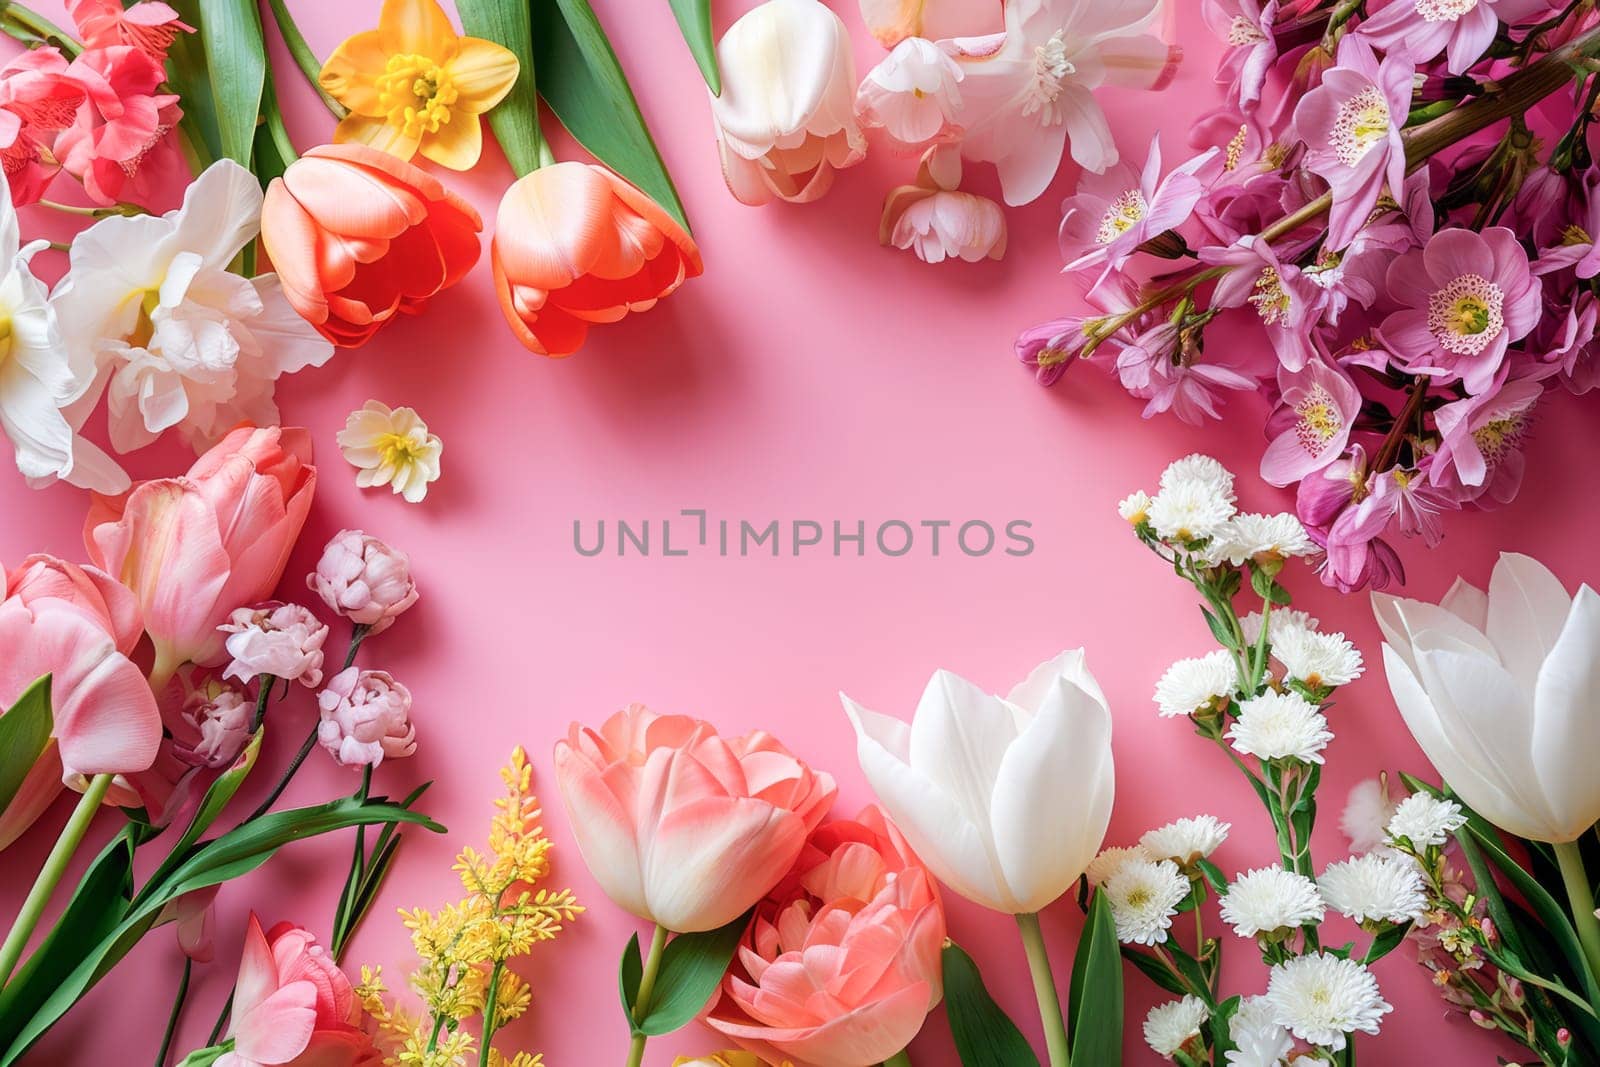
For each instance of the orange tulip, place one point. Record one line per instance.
(576, 245)
(357, 236)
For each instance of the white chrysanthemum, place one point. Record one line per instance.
(1261, 1040)
(1277, 725)
(1321, 998)
(1282, 619)
(1185, 840)
(1250, 536)
(1380, 888)
(1190, 685)
(1196, 468)
(1135, 507)
(391, 446)
(1112, 860)
(1366, 815)
(1190, 511)
(1423, 819)
(1317, 659)
(1144, 896)
(1172, 1025)
(1269, 899)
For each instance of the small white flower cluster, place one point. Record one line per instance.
(1424, 821)
(1319, 998)
(1145, 883)
(1194, 511)
(1171, 1026)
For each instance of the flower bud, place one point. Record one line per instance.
(364, 580)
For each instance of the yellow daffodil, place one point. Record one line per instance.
(414, 85)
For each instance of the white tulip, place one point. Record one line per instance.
(1502, 692)
(786, 117)
(1006, 799)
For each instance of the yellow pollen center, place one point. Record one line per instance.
(1139, 898)
(1049, 357)
(1236, 148)
(398, 450)
(1576, 235)
(415, 94)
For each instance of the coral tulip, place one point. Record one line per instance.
(194, 548)
(1498, 690)
(1005, 799)
(358, 236)
(680, 826)
(77, 625)
(575, 245)
(859, 917)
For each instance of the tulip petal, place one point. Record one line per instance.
(39, 788)
(603, 826)
(1052, 797)
(1566, 729)
(1468, 602)
(959, 738)
(711, 859)
(1527, 608)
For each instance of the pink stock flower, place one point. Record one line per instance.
(913, 94)
(37, 99)
(1481, 437)
(366, 718)
(150, 26)
(1464, 299)
(1351, 126)
(1310, 429)
(220, 716)
(123, 118)
(283, 640)
(680, 826)
(1279, 291)
(194, 548)
(293, 1006)
(1462, 29)
(1112, 214)
(364, 580)
(79, 626)
(841, 963)
(1245, 26)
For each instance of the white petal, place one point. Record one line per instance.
(1072, 665)
(1527, 608)
(221, 213)
(1469, 602)
(1566, 729)
(959, 738)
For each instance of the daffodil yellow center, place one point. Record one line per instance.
(398, 450)
(416, 94)
(144, 327)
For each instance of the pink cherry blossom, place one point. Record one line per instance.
(1310, 429)
(366, 718)
(1462, 29)
(364, 579)
(1247, 27)
(1351, 126)
(1464, 299)
(277, 639)
(1481, 440)
(1112, 214)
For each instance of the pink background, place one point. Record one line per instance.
(808, 375)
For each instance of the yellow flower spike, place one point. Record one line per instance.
(415, 85)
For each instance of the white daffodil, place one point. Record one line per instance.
(1006, 799)
(150, 311)
(391, 446)
(36, 378)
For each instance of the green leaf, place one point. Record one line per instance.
(629, 972)
(24, 735)
(1154, 970)
(1221, 1032)
(1219, 631)
(1386, 942)
(189, 78)
(236, 64)
(692, 966)
(217, 797)
(984, 1035)
(581, 80)
(694, 19)
(515, 119)
(235, 853)
(1094, 1005)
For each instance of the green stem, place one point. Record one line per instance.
(303, 56)
(55, 865)
(1044, 988)
(93, 212)
(1581, 896)
(177, 1013)
(222, 1019)
(30, 27)
(647, 989)
(263, 694)
(546, 156)
(899, 1059)
(489, 1004)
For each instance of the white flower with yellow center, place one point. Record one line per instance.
(1144, 896)
(1185, 840)
(1261, 538)
(1259, 1039)
(1424, 820)
(1112, 860)
(1170, 1026)
(1320, 999)
(1190, 510)
(1135, 507)
(1374, 888)
(1192, 685)
(1317, 659)
(391, 446)
(1280, 726)
(1197, 467)
(1271, 900)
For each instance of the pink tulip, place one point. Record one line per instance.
(293, 1006)
(841, 963)
(194, 548)
(680, 826)
(78, 625)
